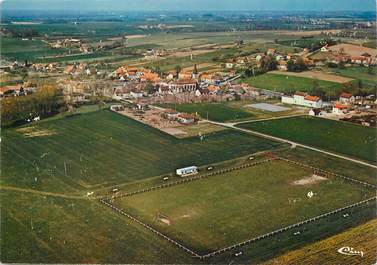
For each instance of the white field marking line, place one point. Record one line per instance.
(293, 143)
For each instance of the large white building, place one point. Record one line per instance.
(181, 86)
(303, 99)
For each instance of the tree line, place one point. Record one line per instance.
(47, 101)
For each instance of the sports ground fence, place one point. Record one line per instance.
(106, 202)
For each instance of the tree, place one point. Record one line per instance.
(178, 69)
(47, 101)
(268, 63)
(195, 71)
(149, 87)
(291, 66)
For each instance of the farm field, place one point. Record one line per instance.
(316, 75)
(216, 111)
(367, 76)
(48, 229)
(99, 149)
(362, 237)
(344, 138)
(290, 84)
(230, 208)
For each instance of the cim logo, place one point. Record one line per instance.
(350, 252)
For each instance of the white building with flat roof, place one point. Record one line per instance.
(187, 171)
(303, 99)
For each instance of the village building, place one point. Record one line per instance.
(303, 99)
(346, 98)
(339, 109)
(186, 119)
(315, 112)
(181, 86)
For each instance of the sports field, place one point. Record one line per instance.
(214, 111)
(101, 148)
(290, 84)
(230, 208)
(340, 137)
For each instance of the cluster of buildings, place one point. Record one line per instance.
(17, 90)
(137, 82)
(346, 54)
(182, 118)
(346, 106)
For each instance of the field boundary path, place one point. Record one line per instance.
(292, 143)
(45, 193)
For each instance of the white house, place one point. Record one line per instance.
(229, 65)
(346, 98)
(315, 112)
(325, 48)
(187, 171)
(339, 109)
(302, 99)
(136, 94)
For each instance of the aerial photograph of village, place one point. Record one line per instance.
(188, 132)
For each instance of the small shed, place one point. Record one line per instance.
(187, 171)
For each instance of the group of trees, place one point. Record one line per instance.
(268, 63)
(296, 66)
(48, 100)
(21, 33)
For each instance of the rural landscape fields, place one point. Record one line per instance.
(187, 137)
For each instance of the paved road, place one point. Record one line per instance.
(293, 144)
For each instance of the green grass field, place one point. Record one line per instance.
(45, 229)
(101, 148)
(344, 138)
(16, 49)
(367, 76)
(236, 206)
(216, 111)
(289, 84)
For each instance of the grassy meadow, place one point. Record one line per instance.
(99, 149)
(290, 84)
(340, 137)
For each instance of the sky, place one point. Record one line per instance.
(191, 5)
